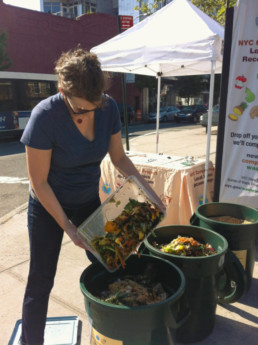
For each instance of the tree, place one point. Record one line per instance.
(215, 9)
(190, 86)
(145, 81)
(142, 81)
(5, 61)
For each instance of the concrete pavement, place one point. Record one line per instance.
(180, 142)
(236, 324)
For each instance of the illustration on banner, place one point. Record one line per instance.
(238, 110)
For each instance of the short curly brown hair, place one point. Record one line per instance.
(80, 75)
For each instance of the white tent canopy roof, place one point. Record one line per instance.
(177, 40)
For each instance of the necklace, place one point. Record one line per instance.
(79, 121)
(74, 114)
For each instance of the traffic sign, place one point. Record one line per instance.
(126, 22)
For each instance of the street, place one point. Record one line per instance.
(13, 171)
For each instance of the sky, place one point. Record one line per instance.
(29, 4)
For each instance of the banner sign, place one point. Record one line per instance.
(239, 173)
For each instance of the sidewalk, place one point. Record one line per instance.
(236, 324)
(177, 143)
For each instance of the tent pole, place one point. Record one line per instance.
(123, 81)
(158, 111)
(213, 63)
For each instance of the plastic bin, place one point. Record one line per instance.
(201, 290)
(241, 237)
(109, 210)
(153, 324)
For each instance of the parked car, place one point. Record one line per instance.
(191, 113)
(214, 118)
(165, 114)
(130, 113)
(202, 107)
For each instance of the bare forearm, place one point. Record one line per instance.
(126, 167)
(38, 162)
(48, 199)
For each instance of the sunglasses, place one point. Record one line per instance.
(78, 112)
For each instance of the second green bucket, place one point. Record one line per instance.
(241, 237)
(201, 290)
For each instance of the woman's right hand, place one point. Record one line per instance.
(72, 232)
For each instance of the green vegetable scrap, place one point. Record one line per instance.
(187, 246)
(125, 232)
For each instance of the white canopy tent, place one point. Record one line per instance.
(177, 40)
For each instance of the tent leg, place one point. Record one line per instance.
(158, 111)
(207, 162)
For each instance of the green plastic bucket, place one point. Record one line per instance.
(153, 324)
(241, 237)
(201, 291)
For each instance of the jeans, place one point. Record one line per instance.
(45, 237)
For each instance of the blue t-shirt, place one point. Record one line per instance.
(75, 164)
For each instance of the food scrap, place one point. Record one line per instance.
(186, 246)
(125, 232)
(133, 291)
(230, 220)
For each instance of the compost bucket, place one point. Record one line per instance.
(152, 324)
(241, 237)
(201, 289)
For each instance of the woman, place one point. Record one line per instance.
(66, 138)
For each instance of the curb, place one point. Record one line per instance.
(11, 214)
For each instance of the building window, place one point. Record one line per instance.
(52, 7)
(37, 89)
(70, 8)
(6, 96)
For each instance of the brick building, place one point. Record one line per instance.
(36, 40)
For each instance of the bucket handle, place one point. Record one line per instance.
(194, 220)
(185, 313)
(234, 272)
(184, 318)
